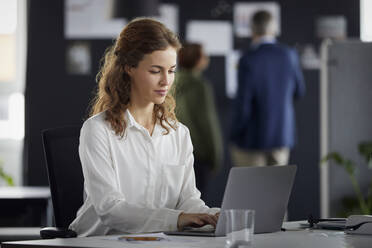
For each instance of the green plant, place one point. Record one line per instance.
(365, 150)
(7, 178)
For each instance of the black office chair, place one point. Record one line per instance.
(65, 176)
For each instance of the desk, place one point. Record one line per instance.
(287, 239)
(19, 233)
(25, 206)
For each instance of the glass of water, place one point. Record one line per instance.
(239, 227)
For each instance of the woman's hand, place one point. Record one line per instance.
(196, 220)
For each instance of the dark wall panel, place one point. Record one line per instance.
(53, 98)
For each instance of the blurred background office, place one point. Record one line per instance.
(50, 54)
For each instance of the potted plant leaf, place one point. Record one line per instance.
(5, 177)
(363, 201)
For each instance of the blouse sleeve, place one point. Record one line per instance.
(102, 187)
(189, 200)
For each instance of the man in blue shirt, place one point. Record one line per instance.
(269, 79)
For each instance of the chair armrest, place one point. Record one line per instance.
(56, 232)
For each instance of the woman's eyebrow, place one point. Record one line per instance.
(161, 67)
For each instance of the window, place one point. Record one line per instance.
(366, 20)
(12, 81)
(12, 72)
(8, 24)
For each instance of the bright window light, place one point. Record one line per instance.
(366, 20)
(7, 57)
(13, 127)
(8, 16)
(8, 24)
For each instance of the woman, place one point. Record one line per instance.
(137, 159)
(196, 109)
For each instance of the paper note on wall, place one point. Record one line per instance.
(78, 58)
(331, 27)
(215, 36)
(169, 16)
(90, 19)
(231, 69)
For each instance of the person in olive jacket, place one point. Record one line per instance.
(196, 109)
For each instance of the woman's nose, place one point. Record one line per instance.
(166, 79)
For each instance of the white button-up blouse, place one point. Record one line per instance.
(138, 183)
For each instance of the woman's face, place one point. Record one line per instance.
(153, 77)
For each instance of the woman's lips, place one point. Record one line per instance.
(161, 92)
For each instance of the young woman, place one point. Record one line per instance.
(137, 159)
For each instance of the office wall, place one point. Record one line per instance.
(54, 98)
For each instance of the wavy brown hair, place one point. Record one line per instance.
(140, 37)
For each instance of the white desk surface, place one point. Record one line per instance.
(19, 233)
(288, 239)
(21, 192)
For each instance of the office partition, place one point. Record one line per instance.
(346, 118)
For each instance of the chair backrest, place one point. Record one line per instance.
(65, 175)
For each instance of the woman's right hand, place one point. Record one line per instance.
(196, 220)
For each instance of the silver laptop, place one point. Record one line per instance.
(264, 189)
